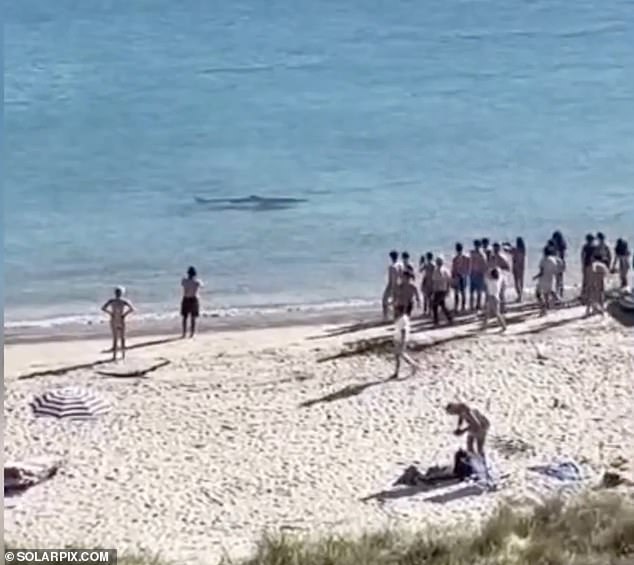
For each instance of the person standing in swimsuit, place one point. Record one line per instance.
(118, 308)
(407, 265)
(190, 305)
(460, 268)
(477, 426)
(621, 264)
(587, 257)
(559, 243)
(596, 285)
(499, 262)
(605, 253)
(518, 260)
(492, 307)
(478, 265)
(393, 274)
(406, 294)
(485, 247)
(441, 284)
(549, 266)
(427, 271)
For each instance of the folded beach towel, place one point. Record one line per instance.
(19, 476)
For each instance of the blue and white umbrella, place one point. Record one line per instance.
(73, 403)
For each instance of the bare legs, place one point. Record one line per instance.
(192, 326)
(492, 308)
(118, 336)
(387, 298)
(401, 354)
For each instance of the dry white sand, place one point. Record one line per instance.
(207, 453)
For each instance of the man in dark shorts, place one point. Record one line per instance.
(460, 268)
(478, 267)
(190, 305)
(406, 295)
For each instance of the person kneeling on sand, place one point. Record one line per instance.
(477, 426)
(118, 308)
(401, 338)
(493, 306)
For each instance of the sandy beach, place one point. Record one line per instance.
(274, 430)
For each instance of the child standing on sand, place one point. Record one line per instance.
(118, 308)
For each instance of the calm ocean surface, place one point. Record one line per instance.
(404, 124)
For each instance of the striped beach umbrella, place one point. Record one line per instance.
(73, 403)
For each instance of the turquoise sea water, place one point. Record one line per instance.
(403, 124)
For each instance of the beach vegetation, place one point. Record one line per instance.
(597, 529)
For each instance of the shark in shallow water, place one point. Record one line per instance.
(249, 203)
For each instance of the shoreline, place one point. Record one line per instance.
(231, 319)
(160, 327)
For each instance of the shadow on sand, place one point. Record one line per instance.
(406, 492)
(150, 343)
(347, 392)
(551, 325)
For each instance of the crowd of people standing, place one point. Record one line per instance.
(478, 280)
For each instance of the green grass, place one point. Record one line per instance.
(596, 530)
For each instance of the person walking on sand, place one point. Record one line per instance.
(118, 308)
(476, 426)
(518, 265)
(427, 272)
(401, 339)
(559, 243)
(621, 264)
(492, 307)
(460, 273)
(406, 294)
(190, 305)
(549, 266)
(596, 285)
(393, 274)
(478, 265)
(441, 284)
